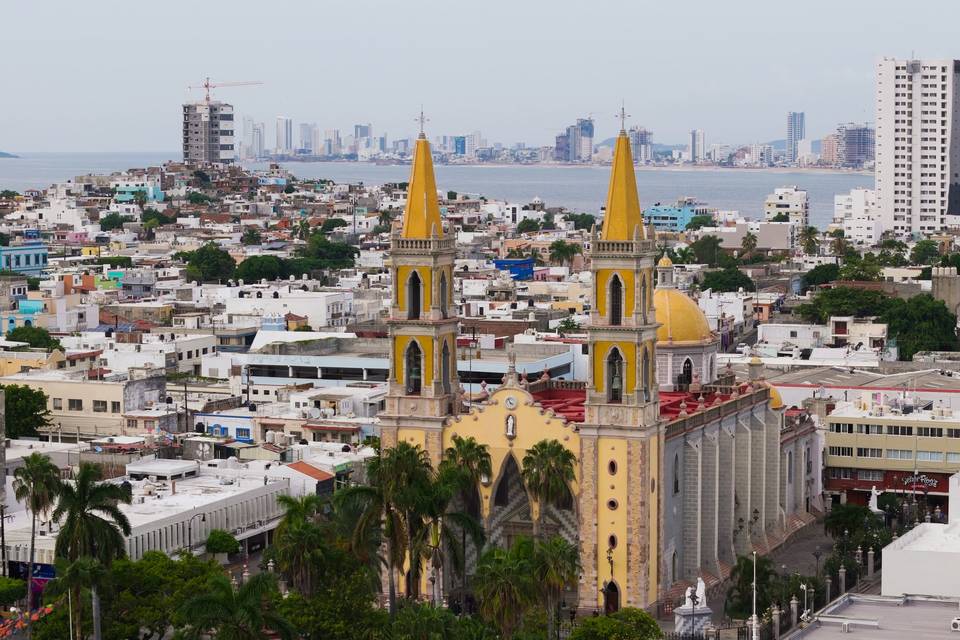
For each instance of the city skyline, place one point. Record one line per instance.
(717, 83)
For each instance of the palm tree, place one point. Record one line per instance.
(548, 470)
(563, 252)
(93, 524)
(809, 240)
(72, 577)
(749, 244)
(300, 543)
(504, 585)
(36, 483)
(395, 478)
(246, 613)
(470, 457)
(685, 255)
(556, 566)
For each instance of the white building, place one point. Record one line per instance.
(697, 149)
(790, 201)
(796, 131)
(917, 144)
(284, 135)
(208, 132)
(857, 213)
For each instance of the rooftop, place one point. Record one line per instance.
(916, 618)
(844, 378)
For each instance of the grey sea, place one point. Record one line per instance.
(577, 188)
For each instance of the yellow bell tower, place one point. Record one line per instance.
(620, 440)
(423, 383)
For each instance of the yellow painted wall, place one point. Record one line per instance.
(400, 348)
(603, 282)
(414, 437)
(488, 426)
(403, 272)
(612, 521)
(601, 350)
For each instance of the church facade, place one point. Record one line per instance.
(679, 465)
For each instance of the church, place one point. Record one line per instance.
(680, 466)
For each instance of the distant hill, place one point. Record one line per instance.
(7, 155)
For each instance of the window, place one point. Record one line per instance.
(414, 287)
(930, 432)
(615, 376)
(243, 433)
(444, 294)
(676, 474)
(612, 467)
(413, 376)
(870, 429)
(616, 300)
(841, 427)
(953, 457)
(867, 452)
(686, 377)
(58, 403)
(930, 456)
(897, 430)
(841, 451)
(809, 462)
(132, 423)
(899, 454)
(841, 473)
(114, 407)
(100, 406)
(75, 405)
(445, 367)
(953, 433)
(645, 373)
(872, 475)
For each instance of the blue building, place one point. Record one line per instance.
(28, 258)
(460, 145)
(127, 190)
(677, 216)
(519, 268)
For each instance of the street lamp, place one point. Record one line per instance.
(203, 518)
(816, 554)
(753, 619)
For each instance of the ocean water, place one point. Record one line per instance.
(577, 188)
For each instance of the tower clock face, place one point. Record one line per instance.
(510, 402)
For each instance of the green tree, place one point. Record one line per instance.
(707, 250)
(36, 337)
(219, 541)
(343, 608)
(820, 274)
(36, 484)
(568, 325)
(548, 223)
(251, 236)
(699, 221)
(843, 301)
(153, 216)
(83, 573)
(626, 624)
(548, 470)
(256, 268)
(504, 585)
(93, 524)
(810, 240)
(924, 252)
(847, 518)
(8, 194)
(11, 590)
(921, 323)
(556, 566)
(238, 614)
(563, 252)
(739, 602)
(729, 279)
(300, 544)
(581, 220)
(112, 221)
(839, 244)
(210, 263)
(865, 268)
(26, 411)
(780, 217)
(328, 255)
(528, 225)
(748, 244)
(332, 223)
(196, 197)
(684, 255)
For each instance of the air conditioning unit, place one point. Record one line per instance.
(955, 624)
(844, 627)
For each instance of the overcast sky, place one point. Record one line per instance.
(110, 76)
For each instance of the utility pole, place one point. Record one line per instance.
(753, 619)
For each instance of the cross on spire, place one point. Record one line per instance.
(623, 118)
(422, 119)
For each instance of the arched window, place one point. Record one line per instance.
(712, 371)
(643, 297)
(443, 295)
(611, 598)
(686, 377)
(645, 373)
(616, 300)
(413, 369)
(445, 367)
(673, 567)
(414, 290)
(789, 467)
(676, 473)
(615, 376)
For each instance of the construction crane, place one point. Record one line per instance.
(207, 85)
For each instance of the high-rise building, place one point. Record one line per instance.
(642, 142)
(362, 131)
(331, 142)
(585, 149)
(460, 145)
(306, 137)
(917, 144)
(208, 133)
(855, 145)
(561, 147)
(284, 135)
(796, 131)
(790, 202)
(697, 149)
(258, 144)
(828, 150)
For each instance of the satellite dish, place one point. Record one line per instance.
(314, 413)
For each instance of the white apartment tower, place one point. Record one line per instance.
(698, 149)
(917, 145)
(796, 131)
(208, 133)
(284, 135)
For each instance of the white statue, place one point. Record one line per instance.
(688, 598)
(701, 593)
(874, 494)
(511, 426)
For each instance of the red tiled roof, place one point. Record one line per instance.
(310, 470)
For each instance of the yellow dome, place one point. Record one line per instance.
(776, 402)
(665, 261)
(681, 320)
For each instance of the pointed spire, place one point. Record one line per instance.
(622, 217)
(421, 219)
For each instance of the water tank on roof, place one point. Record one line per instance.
(271, 437)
